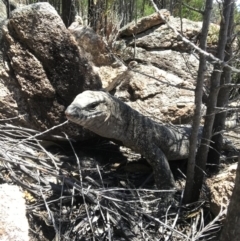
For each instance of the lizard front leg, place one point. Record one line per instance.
(162, 173)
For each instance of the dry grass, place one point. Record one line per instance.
(76, 197)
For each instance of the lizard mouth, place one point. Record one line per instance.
(70, 114)
(81, 116)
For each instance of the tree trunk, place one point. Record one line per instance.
(96, 13)
(160, 4)
(143, 8)
(231, 230)
(106, 19)
(223, 96)
(198, 104)
(8, 8)
(131, 10)
(68, 12)
(211, 104)
(171, 8)
(91, 15)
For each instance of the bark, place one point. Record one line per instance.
(211, 104)
(68, 12)
(198, 104)
(131, 10)
(91, 14)
(231, 230)
(96, 19)
(143, 8)
(160, 4)
(106, 19)
(223, 96)
(8, 8)
(171, 8)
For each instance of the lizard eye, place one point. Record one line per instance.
(93, 105)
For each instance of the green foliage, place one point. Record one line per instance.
(185, 12)
(144, 8)
(237, 18)
(83, 3)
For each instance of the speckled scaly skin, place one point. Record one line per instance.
(109, 117)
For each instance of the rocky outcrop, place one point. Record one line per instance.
(159, 72)
(98, 52)
(160, 37)
(143, 24)
(93, 44)
(163, 73)
(221, 187)
(46, 64)
(43, 69)
(163, 97)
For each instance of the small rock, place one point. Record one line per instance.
(13, 221)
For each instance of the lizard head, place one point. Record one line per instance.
(90, 109)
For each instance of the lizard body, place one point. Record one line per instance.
(109, 117)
